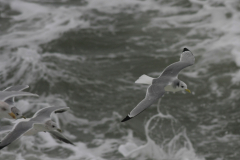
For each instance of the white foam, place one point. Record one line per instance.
(29, 66)
(127, 148)
(209, 20)
(204, 19)
(173, 149)
(39, 24)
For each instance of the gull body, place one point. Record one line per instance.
(6, 109)
(11, 101)
(45, 127)
(167, 82)
(41, 121)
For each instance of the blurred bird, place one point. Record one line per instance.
(41, 121)
(5, 109)
(11, 101)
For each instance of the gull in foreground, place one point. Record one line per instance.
(11, 101)
(167, 81)
(5, 109)
(41, 121)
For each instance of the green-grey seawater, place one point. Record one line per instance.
(87, 55)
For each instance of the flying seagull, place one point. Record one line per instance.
(11, 100)
(167, 81)
(41, 121)
(5, 109)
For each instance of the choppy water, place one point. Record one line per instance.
(87, 54)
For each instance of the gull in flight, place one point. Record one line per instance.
(5, 108)
(167, 81)
(41, 121)
(11, 100)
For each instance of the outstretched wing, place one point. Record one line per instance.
(4, 129)
(18, 131)
(4, 95)
(60, 137)
(16, 88)
(10, 101)
(45, 113)
(186, 59)
(154, 92)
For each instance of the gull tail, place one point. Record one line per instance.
(144, 79)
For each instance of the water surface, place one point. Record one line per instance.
(87, 55)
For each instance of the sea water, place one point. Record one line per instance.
(87, 54)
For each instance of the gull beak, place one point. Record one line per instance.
(24, 117)
(188, 90)
(59, 130)
(12, 115)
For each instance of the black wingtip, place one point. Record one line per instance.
(1, 147)
(185, 49)
(126, 118)
(60, 111)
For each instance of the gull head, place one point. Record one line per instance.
(5, 111)
(17, 112)
(183, 87)
(51, 126)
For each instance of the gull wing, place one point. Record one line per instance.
(18, 131)
(10, 101)
(4, 95)
(60, 137)
(4, 129)
(186, 59)
(154, 92)
(16, 88)
(45, 113)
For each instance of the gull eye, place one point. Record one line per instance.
(4, 109)
(182, 86)
(17, 114)
(53, 126)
